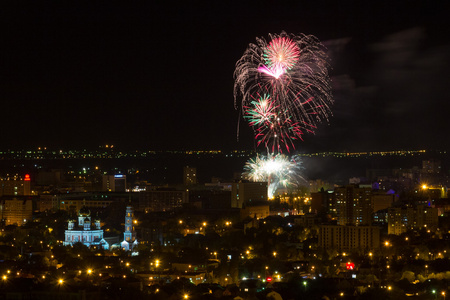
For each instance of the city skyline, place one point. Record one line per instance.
(161, 76)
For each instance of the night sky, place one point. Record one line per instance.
(160, 76)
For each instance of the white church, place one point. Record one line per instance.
(89, 232)
(85, 231)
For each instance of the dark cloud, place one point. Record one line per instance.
(395, 95)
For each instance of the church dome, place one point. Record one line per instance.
(84, 211)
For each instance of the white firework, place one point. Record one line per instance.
(277, 170)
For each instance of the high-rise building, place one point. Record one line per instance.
(431, 166)
(15, 186)
(323, 201)
(189, 175)
(353, 205)
(114, 183)
(16, 210)
(402, 219)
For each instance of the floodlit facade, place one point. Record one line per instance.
(85, 231)
(129, 235)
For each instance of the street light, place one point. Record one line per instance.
(305, 283)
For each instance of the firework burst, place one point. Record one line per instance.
(280, 55)
(261, 112)
(278, 170)
(293, 69)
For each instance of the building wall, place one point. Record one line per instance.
(382, 201)
(84, 236)
(349, 237)
(162, 200)
(402, 219)
(15, 187)
(353, 205)
(77, 204)
(114, 183)
(47, 202)
(307, 220)
(17, 211)
(211, 199)
(246, 192)
(323, 202)
(431, 166)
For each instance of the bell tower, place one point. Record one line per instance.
(129, 234)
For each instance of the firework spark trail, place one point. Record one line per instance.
(293, 69)
(271, 128)
(281, 53)
(280, 132)
(278, 170)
